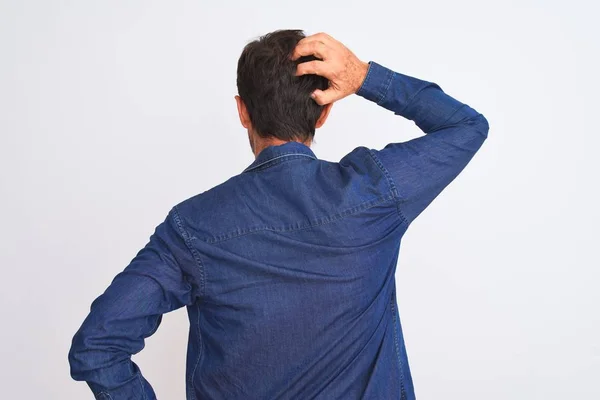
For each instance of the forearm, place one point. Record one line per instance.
(418, 100)
(129, 311)
(112, 332)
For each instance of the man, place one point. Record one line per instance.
(287, 269)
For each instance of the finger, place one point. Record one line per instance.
(321, 36)
(323, 97)
(313, 67)
(310, 48)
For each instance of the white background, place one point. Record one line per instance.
(111, 112)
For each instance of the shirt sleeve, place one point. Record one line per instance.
(129, 311)
(419, 169)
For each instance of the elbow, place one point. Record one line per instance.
(482, 126)
(475, 133)
(84, 357)
(97, 360)
(77, 362)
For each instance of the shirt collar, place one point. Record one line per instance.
(286, 149)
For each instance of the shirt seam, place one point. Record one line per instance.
(362, 87)
(314, 223)
(393, 188)
(275, 158)
(396, 344)
(192, 250)
(200, 353)
(387, 87)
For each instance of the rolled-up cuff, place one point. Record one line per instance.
(376, 83)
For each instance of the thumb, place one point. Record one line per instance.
(324, 97)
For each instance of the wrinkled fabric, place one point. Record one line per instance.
(287, 269)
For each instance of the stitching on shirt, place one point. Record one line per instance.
(364, 84)
(396, 335)
(391, 182)
(274, 162)
(387, 87)
(200, 353)
(311, 224)
(281, 156)
(104, 395)
(377, 161)
(196, 256)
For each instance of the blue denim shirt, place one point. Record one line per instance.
(287, 269)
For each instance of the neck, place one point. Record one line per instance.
(259, 144)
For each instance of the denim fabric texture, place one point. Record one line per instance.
(287, 269)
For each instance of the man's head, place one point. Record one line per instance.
(273, 103)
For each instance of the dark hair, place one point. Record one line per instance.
(278, 102)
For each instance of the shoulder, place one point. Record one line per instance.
(363, 161)
(210, 209)
(216, 196)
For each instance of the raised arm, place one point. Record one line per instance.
(129, 311)
(418, 169)
(422, 167)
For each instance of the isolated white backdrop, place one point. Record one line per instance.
(111, 112)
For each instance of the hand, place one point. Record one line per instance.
(344, 70)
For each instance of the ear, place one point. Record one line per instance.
(324, 115)
(243, 112)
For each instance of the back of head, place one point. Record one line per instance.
(278, 102)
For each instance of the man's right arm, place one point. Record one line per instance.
(417, 169)
(421, 168)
